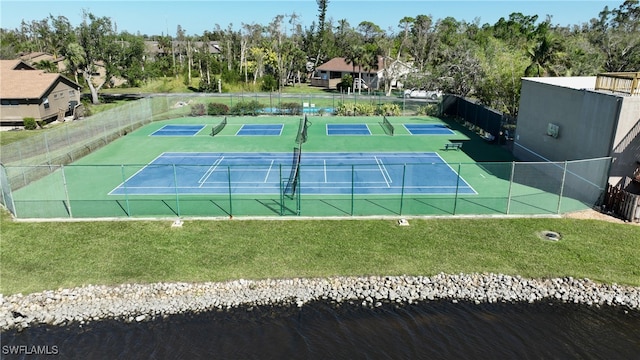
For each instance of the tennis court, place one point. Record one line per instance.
(348, 129)
(178, 130)
(428, 129)
(288, 165)
(321, 173)
(260, 130)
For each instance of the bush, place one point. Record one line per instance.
(291, 108)
(352, 109)
(430, 110)
(206, 86)
(269, 83)
(198, 110)
(29, 123)
(252, 107)
(217, 109)
(388, 110)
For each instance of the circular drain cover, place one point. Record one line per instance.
(549, 235)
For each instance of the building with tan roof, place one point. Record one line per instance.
(329, 74)
(28, 92)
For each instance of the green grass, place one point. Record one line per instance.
(48, 255)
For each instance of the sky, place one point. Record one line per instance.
(161, 17)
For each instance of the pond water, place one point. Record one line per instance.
(429, 330)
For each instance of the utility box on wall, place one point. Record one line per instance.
(553, 130)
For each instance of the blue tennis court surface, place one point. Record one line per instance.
(348, 129)
(260, 130)
(320, 173)
(178, 130)
(428, 129)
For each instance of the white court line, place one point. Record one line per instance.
(269, 171)
(210, 171)
(382, 170)
(458, 175)
(325, 169)
(136, 173)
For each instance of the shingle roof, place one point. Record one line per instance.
(340, 64)
(25, 83)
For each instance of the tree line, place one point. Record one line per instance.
(464, 58)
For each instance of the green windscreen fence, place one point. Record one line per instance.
(95, 191)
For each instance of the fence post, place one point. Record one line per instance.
(175, 185)
(66, 190)
(404, 172)
(126, 192)
(4, 179)
(299, 188)
(230, 198)
(281, 189)
(455, 200)
(564, 176)
(46, 144)
(513, 167)
(352, 199)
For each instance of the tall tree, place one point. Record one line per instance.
(424, 41)
(546, 53)
(97, 41)
(617, 34)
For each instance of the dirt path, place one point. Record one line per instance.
(596, 215)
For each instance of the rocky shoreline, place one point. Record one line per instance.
(144, 302)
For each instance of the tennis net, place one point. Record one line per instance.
(292, 183)
(302, 130)
(218, 128)
(387, 126)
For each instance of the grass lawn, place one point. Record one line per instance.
(49, 255)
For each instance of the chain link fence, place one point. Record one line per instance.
(508, 188)
(38, 177)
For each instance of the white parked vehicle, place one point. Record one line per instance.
(422, 94)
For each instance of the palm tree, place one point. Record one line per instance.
(545, 55)
(46, 65)
(75, 59)
(356, 56)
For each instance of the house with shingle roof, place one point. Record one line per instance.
(329, 74)
(28, 92)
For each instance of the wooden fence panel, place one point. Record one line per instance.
(622, 203)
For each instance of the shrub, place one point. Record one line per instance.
(217, 109)
(291, 108)
(206, 86)
(388, 110)
(352, 109)
(252, 107)
(430, 110)
(269, 83)
(29, 123)
(198, 110)
(345, 110)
